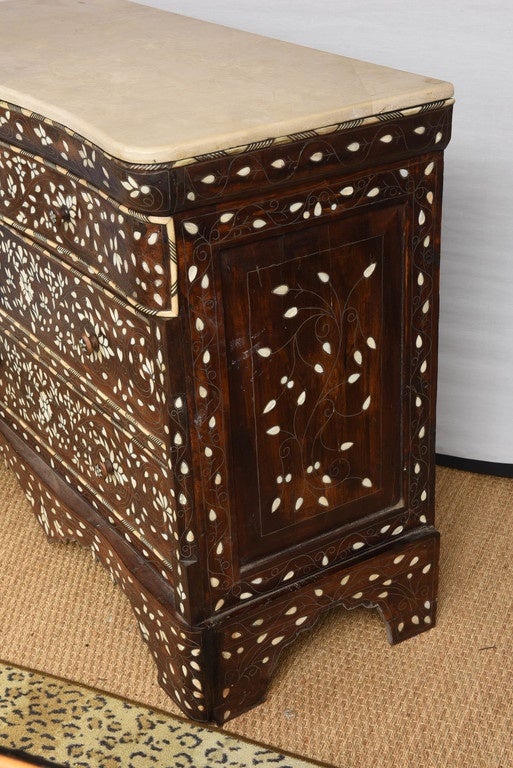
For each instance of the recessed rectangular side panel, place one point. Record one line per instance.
(314, 343)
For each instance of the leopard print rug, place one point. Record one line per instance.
(70, 725)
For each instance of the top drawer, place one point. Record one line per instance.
(130, 252)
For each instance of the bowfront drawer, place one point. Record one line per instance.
(130, 252)
(107, 464)
(103, 341)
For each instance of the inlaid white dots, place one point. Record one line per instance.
(323, 501)
(318, 368)
(212, 516)
(317, 209)
(214, 582)
(386, 139)
(353, 147)
(244, 171)
(323, 277)
(226, 217)
(191, 228)
(257, 623)
(423, 495)
(426, 568)
(418, 341)
(245, 595)
(398, 530)
(202, 392)
(373, 192)
(288, 576)
(420, 130)
(387, 583)
(281, 290)
(264, 351)
(318, 592)
(208, 179)
(316, 157)
(259, 223)
(357, 595)
(358, 545)
(422, 218)
(291, 312)
(346, 446)
(258, 580)
(427, 619)
(294, 207)
(324, 561)
(415, 619)
(367, 482)
(326, 479)
(353, 378)
(279, 163)
(404, 172)
(371, 343)
(429, 168)
(400, 626)
(200, 325)
(418, 402)
(373, 576)
(382, 595)
(347, 191)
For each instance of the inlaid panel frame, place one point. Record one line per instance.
(200, 236)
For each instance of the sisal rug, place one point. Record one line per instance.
(71, 725)
(342, 695)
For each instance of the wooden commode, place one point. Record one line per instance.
(218, 327)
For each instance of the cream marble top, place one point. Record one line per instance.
(151, 86)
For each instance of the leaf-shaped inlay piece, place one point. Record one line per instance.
(292, 312)
(226, 217)
(354, 147)
(323, 277)
(371, 343)
(428, 169)
(208, 179)
(358, 357)
(404, 172)
(280, 163)
(420, 130)
(259, 223)
(302, 397)
(327, 347)
(425, 307)
(299, 503)
(370, 269)
(346, 446)
(281, 290)
(317, 209)
(323, 501)
(354, 377)
(316, 157)
(422, 218)
(367, 482)
(438, 137)
(347, 191)
(429, 197)
(269, 407)
(293, 207)
(326, 479)
(386, 139)
(318, 368)
(193, 271)
(373, 192)
(276, 504)
(366, 403)
(264, 351)
(191, 227)
(418, 341)
(199, 324)
(244, 171)
(273, 430)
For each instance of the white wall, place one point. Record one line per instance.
(471, 44)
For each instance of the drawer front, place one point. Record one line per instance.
(129, 252)
(107, 344)
(108, 465)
